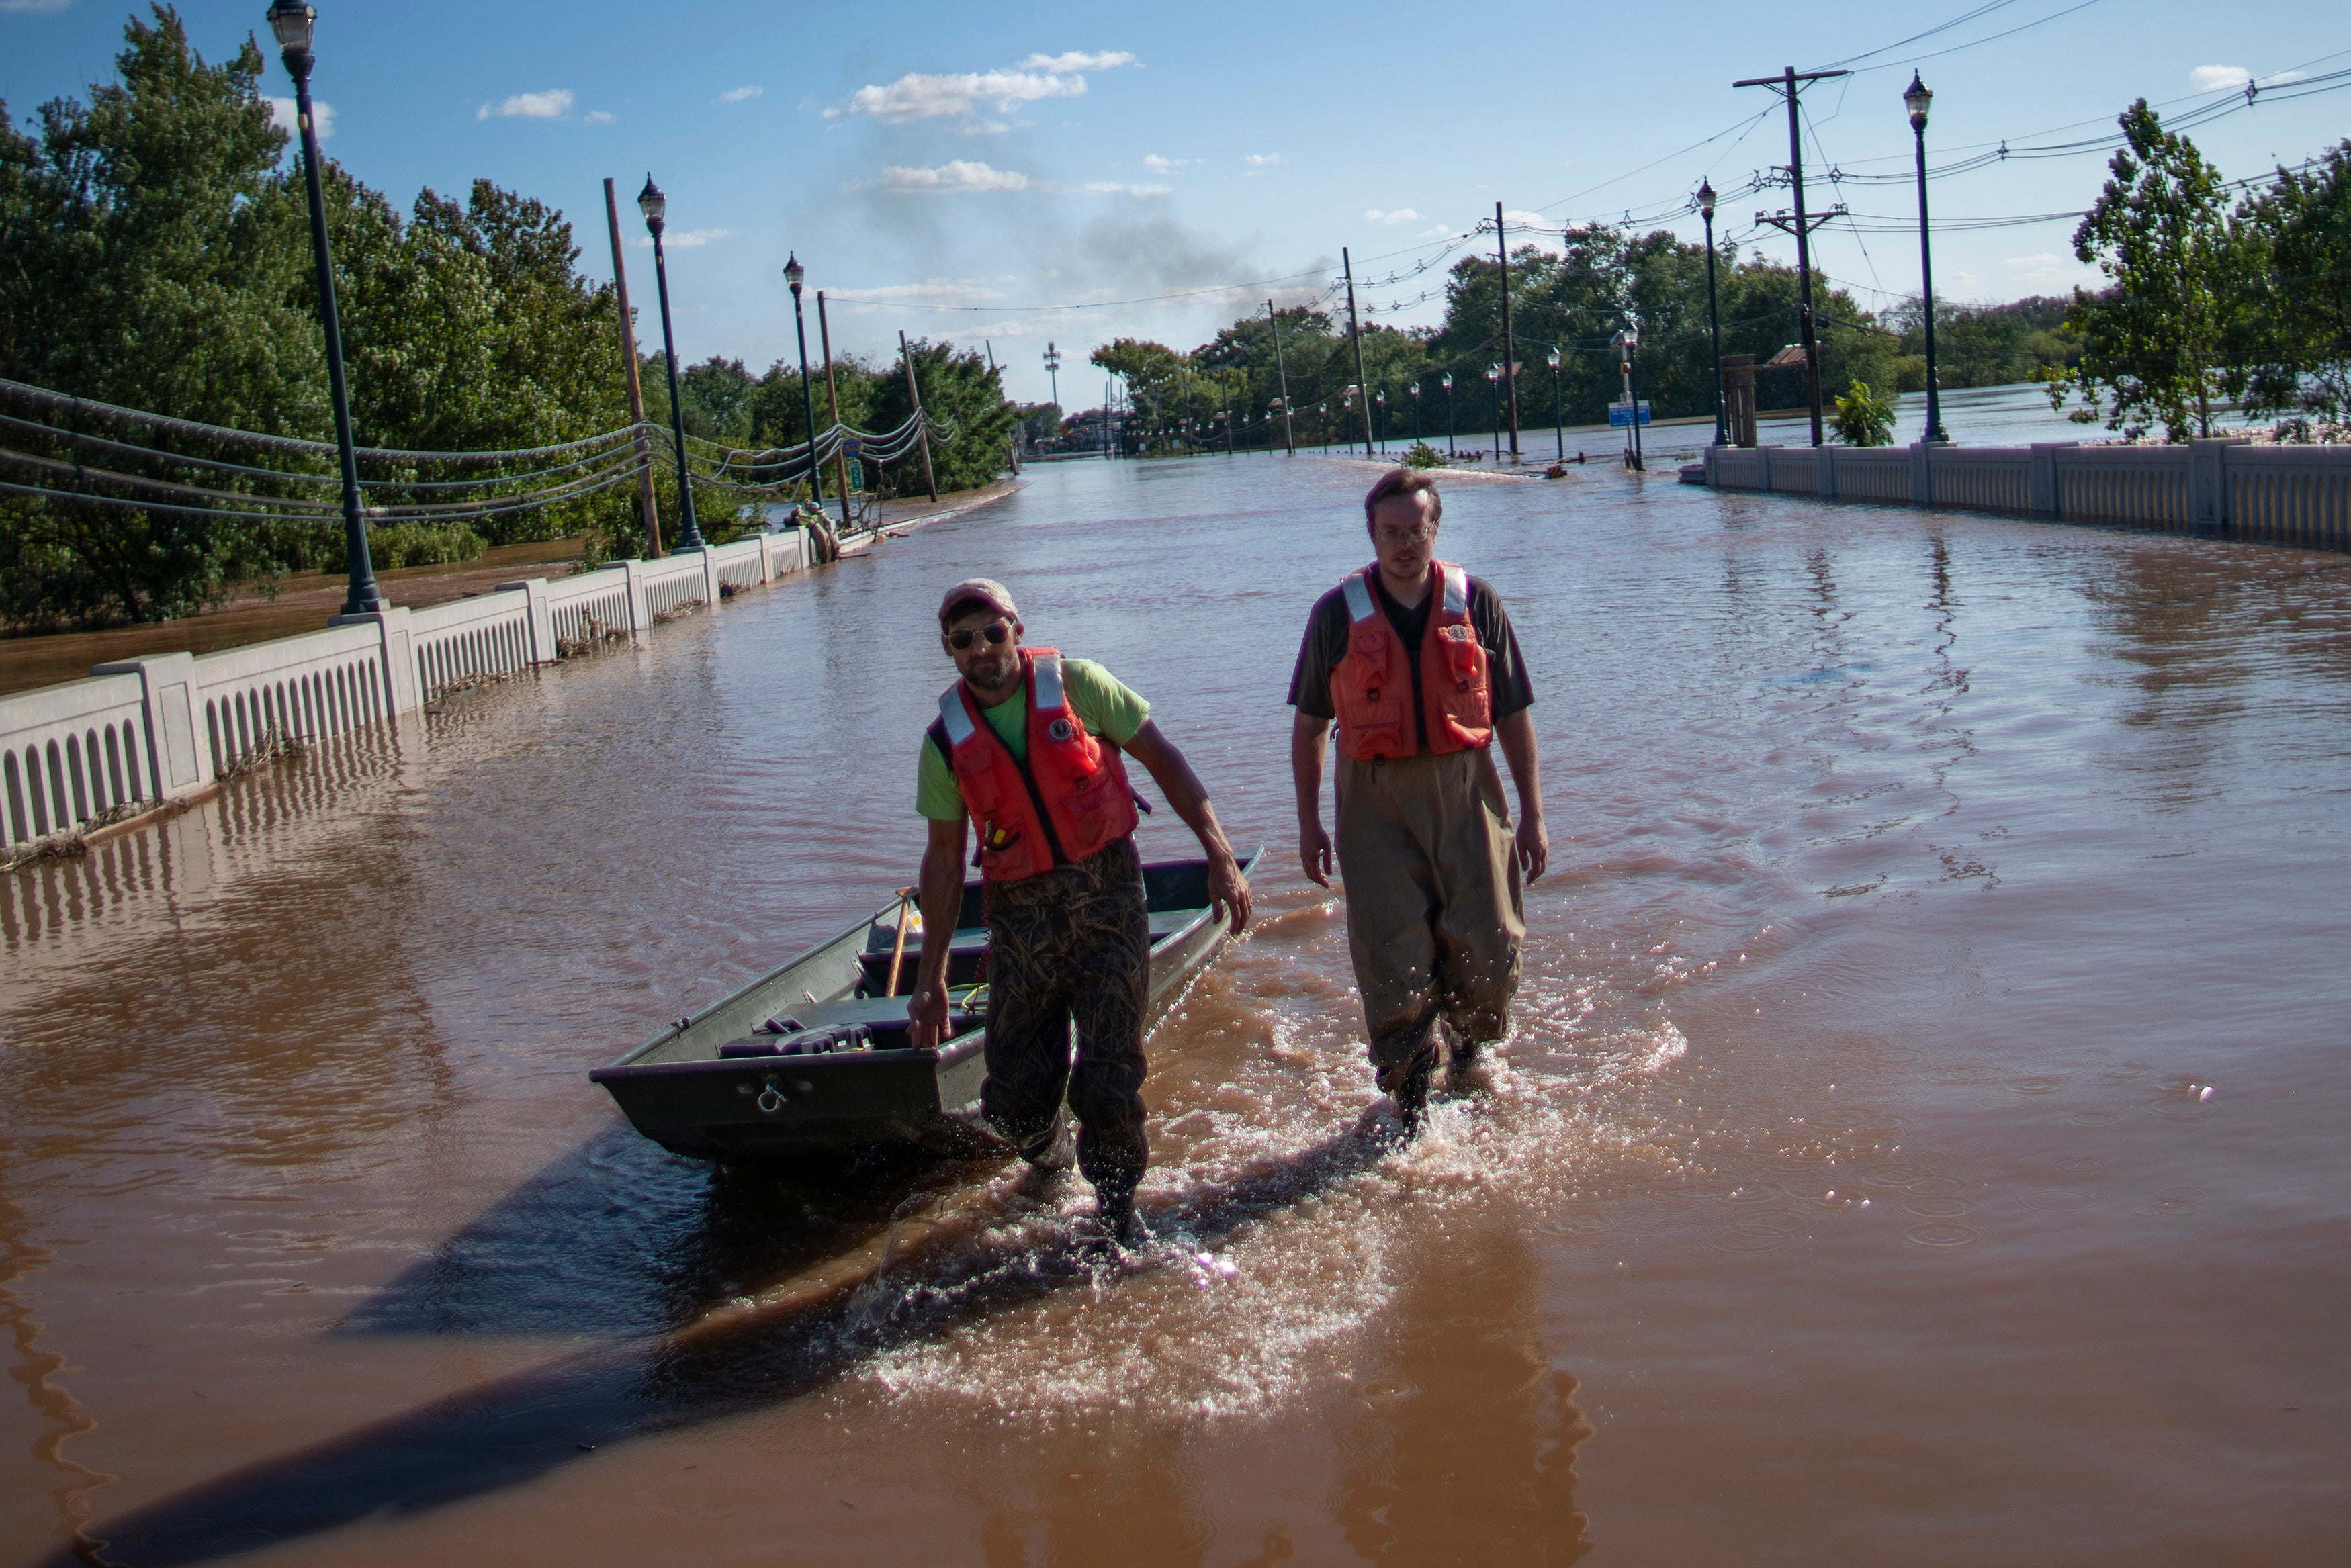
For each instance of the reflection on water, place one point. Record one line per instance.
(1911, 983)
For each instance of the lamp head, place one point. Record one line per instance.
(652, 204)
(1553, 358)
(1493, 372)
(1448, 381)
(794, 272)
(1916, 98)
(292, 21)
(1706, 200)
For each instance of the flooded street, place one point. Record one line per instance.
(1921, 1140)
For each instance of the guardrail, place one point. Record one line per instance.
(2229, 488)
(148, 732)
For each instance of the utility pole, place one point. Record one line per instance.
(636, 391)
(1355, 330)
(832, 397)
(922, 425)
(1289, 433)
(1787, 84)
(1510, 344)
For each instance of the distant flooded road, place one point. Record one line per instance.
(1922, 1140)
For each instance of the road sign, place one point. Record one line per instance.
(853, 446)
(1621, 414)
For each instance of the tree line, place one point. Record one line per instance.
(155, 254)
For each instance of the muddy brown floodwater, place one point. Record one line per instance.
(1922, 1140)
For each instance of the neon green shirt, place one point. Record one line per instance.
(1103, 704)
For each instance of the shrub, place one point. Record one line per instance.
(1864, 417)
(394, 545)
(1423, 455)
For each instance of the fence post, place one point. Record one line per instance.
(709, 575)
(397, 653)
(1711, 483)
(766, 556)
(1826, 462)
(1922, 482)
(2208, 493)
(1763, 467)
(641, 619)
(2045, 477)
(167, 695)
(542, 619)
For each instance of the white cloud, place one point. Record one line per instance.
(1158, 165)
(1400, 215)
(1079, 60)
(958, 174)
(1117, 188)
(741, 94)
(1521, 220)
(34, 8)
(1261, 159)
(921, 95)
(2218, 79)
(1434, 231)
(688, 239)
(281, 111)
(551, 105)
(2042, 269)
(599, 117)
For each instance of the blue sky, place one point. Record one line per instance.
(925, 157)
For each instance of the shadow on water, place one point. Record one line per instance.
(951, 1251)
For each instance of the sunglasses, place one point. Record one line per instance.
(962, 636)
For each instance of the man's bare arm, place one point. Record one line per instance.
(1227, 888)
(940, 888)
(1309, 738)
(1517, 734)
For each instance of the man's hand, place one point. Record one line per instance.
(1314, 852)
(1534, 848)
(1229, 891)
(928, 1009)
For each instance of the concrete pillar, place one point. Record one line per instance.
(1922, 479)
(767, 557)
(1763, 466)
(1710, 450)
(2208, 488)
(641, 619)
(174, 769)
(2045, 477)
(709, 573)
(1827, 459)
(399, 656)
(542, 619)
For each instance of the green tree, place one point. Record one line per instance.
(2152, 340)
(2293, 346)
(1864, 417)
(961, 390)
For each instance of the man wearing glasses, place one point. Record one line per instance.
(1416, 662)
(1027, 748)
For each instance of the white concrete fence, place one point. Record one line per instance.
(2297, 495)
(148, 732)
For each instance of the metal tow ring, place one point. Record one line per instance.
(770, 1100)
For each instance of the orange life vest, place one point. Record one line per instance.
(1068, 800)
(1372, 687)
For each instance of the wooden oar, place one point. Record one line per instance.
(898, 952)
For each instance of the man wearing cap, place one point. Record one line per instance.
(1027, 748)
(1417, 660)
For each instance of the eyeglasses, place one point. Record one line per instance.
(1418, 533)
(961, 638)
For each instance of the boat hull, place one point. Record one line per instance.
(678, 1093)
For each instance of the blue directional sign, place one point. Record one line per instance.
(1621, 414)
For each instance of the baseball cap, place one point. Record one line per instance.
(986, 590)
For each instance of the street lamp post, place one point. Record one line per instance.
(292, 21)
(1494, 380)
(1448, 413)
(655, 206)
(1381, 397)
(1713, 315)
(1916, 97)
(793, 274)
(1628, 342)
(1558, 408)
(1415, 413)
